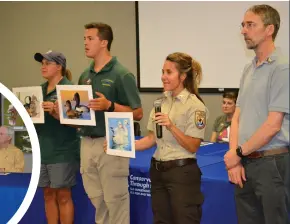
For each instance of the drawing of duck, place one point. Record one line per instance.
(70, 113)
(78, 107)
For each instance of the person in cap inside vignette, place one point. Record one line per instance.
(59, 144)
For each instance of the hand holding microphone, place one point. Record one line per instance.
(157, 106)
(161, 119)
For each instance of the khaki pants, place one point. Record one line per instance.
(105, 180)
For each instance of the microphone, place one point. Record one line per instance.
(157, 105)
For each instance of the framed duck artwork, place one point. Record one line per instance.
(73, 103)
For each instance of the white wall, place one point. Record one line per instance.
(28, 27)
(208, 31)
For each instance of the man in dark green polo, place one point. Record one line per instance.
(105, 177)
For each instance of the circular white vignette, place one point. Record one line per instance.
(35, 154)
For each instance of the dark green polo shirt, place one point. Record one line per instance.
(117, 84)
(221, 123)
(58, 142)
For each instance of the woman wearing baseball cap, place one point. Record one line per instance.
(59, 143)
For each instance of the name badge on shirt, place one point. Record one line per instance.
(53, 98)
(88, 82)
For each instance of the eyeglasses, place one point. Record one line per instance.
(248, 25)
(47, 63)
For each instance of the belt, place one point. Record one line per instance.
(166, 165)
(270, 152)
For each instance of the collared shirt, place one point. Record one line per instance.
(59, 143)
(12, 159)
(220, 127)
(188, 114)
(117, 84)
(263, 89)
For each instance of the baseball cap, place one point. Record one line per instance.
(55, 56)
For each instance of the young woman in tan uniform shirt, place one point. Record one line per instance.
(175, 175)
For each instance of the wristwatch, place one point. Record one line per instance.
(239, 152)
(112, 107)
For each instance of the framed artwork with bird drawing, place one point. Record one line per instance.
(31, 98)
(120, 134)
(73, 103)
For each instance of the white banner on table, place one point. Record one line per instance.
(205, 143)
(120, 134)
(4, 174)
(73, 103)
(31, 98)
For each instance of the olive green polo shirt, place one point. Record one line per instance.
(117, 84)
(220, 125)
(59, 143)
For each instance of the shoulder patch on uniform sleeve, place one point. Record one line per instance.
(200, 119)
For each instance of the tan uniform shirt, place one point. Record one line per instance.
(189, 115)
(11, 159)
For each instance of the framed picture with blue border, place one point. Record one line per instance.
(120, 134)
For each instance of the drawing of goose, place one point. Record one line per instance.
(120, 135)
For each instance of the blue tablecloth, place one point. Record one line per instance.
(13, 188)
(218, 208)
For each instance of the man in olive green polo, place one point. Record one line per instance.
(105, 177)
